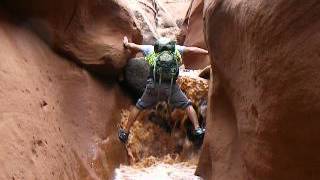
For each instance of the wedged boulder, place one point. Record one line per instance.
(136, 74)
(192, 35)
(264, 112)
(88, 31)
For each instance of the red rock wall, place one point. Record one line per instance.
(264, 111)
(192, 35)
(53, 113)
(89, 31)
(153, 20)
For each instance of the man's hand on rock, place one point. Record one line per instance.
(125, 41)
(131, 45)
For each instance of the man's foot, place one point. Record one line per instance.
(123, 135)
(199, 131)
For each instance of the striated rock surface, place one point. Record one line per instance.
(89, 31)
(153, 20)
(55, 117)
(192, 35)
(264, 112)
(177, 9)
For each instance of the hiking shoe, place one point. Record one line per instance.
(199, 131)
(123, 135)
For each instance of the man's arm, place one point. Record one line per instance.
(129, 45)
(195, 50)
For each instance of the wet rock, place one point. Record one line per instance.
(106, 156)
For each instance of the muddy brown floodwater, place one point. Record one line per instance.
(160, 146)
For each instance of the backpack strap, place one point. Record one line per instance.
(170, 93)
(154, 74)
(159, 85)
(151, 58)
(178, 56)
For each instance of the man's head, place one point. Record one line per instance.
(164, 44)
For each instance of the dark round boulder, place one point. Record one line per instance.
(136, 74)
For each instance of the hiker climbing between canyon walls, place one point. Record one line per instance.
(164, 59)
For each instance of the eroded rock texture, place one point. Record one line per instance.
(192, 35)
(153, 19)
(56, 120)
(55, 117)
(264, 112)
(89, 31)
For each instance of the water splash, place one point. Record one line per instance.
(159, 171)
(159, 146)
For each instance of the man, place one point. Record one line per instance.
(162, 87)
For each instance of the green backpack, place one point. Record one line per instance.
(166, 67)
(164, 63)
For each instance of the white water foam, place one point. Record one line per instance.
(161, 171)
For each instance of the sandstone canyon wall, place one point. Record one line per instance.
(264, 106)
(153, 20)
(192, 35)
(89, 32)
(57, 120)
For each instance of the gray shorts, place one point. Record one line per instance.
(154, 93)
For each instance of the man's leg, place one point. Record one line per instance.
(132, 118)
(180, 100)
(124, 133)
(194, 119)
(193, 116)
(147, 100)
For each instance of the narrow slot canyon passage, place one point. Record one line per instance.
(161, 144)
(72, 72)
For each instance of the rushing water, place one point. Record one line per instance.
(160, 171)
(159, 147)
